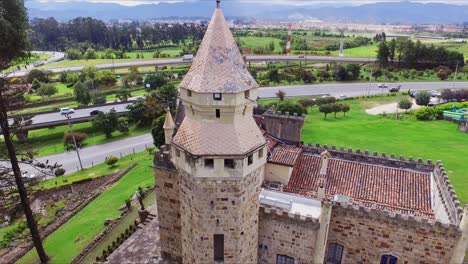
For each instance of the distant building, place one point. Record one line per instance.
(234, 187)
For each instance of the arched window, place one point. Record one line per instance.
(388, 259)
(335, 253)
(283, 259)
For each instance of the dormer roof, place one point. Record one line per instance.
(218, 66)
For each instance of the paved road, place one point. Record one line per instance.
(354, 89)
(97, 154)
(161, 62)
(55, 56)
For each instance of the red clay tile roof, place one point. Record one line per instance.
(271, 141)
(285, 155)
(373, 186)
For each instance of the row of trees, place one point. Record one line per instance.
(403, 52)
(49, 34)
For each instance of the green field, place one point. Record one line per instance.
(363, 52)
(61, 90)
(68, 241)
(49, 141)
(260, 42)
(32, 59)
(436, 140)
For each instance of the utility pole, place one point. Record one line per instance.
(455, 76)
(74, 141)
(370, 79)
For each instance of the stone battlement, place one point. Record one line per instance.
(284, 213)
(372, 158)
(278, 114)
(162, 157)
(449, 198)
(400, 219)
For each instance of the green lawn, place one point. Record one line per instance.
(436, 140)
(32, 59)
(260, 42)
(68, 241)
(61, 90)
(363, 52)
(49, 141)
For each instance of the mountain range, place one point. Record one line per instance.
(382, 12)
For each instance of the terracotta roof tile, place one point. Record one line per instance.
(169, 122)
(218, 66)
(207, 138)
(285, 155)
(373, 186)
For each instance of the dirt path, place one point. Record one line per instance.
(389, 108)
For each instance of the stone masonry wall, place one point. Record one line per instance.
(228, 207)
(285, 127)
(168, 191)
(282, 234)
(367, 235)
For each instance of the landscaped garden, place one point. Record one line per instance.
(435, 140)
(68, 241)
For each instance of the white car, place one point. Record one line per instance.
(67, 111)
(342, 97)
(382, 85)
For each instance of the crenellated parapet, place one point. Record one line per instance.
(372, 157)
(286, 127)
(403, 220)
(279, 212)
(162, 158)
(447, 193)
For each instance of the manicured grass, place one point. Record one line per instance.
(61, 90)
(68, 241)
(260, 42)
(436, 140)
(49, 141)
(363, 52)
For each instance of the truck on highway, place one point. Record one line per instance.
(187, 57)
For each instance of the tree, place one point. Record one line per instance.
(273, 75)
(306, 103)
(309, 77)
(90, 54)
(144, 110)
(122, 125)
(106, 122)
(46, 90)
(354, 71)
(14, 24)
(405, 104)
(340, 73)
(167, 95)
(345, 109)
(154, 81)
(36, 84)
(336, 108)
(105, 77)
(383, 53)
(281, 95)
(88, 73)
(82, 95)
(79, 139)
(111, 161)
(37, 74)
(72, 78)
(123, 95)
(73, 54)
(423, 98)
(157, 131)
(325, 109)
(291, 107)
(99, 99)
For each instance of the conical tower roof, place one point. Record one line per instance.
(169, 122)
(218, 66)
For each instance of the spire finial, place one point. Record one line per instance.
(218, 3)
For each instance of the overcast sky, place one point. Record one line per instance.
(292, 2)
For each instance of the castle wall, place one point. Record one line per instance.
(285, 127)
(277, 173)
(168, 191)
(218, 206)
(445, 197)
(285, 235)
(366, 235)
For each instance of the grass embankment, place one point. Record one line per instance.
(68, 241)
(132, 56)
(260, 42)
(436, 140)
(49, 141)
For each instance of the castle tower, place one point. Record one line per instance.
(219, 153)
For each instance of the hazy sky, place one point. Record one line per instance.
(293, 2)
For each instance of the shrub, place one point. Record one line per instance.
(423, 98)
(291, 107)
(425, 113)
(280, 94)
(405, 104)
(59, 172)
(111, 161)
(79, 138)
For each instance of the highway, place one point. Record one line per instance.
(178, 61)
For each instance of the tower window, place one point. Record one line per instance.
(218, 113)
(283, 259)
(209, 163)
(229, 163)
(250, 159)
(189, 93)
(177, 153)
(218, 247)
(217, 96)
(335, 253)
(247, 94)
(388, 259)
(260, 153)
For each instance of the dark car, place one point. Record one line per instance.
(95, 112)
(395, 89)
